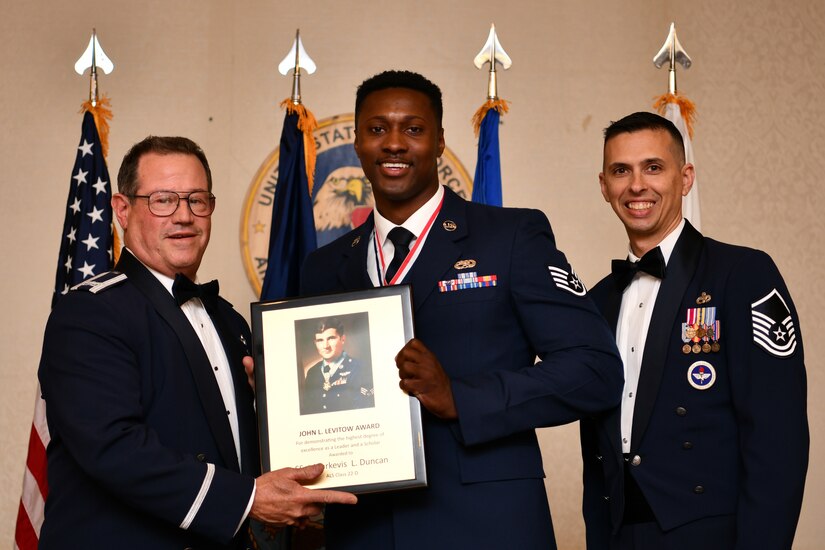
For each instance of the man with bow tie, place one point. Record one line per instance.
(709, 448)
(152, 422)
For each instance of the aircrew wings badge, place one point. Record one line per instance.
(568, 281)
(773, 325)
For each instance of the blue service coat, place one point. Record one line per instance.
(139, 433)
(484, 469)
(350, 388)
(734, 443)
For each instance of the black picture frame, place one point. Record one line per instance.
(360, 424)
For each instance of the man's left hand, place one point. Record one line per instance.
(422, 377)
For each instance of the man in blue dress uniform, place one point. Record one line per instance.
(152, 423)
(491, 294)
(337, 382)
(709, 448)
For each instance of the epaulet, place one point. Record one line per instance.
(101, 282)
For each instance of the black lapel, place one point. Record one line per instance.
(205, 382)
(440, 250)
(680, 269)
(352, 273)
(610, 305)
(236, 347)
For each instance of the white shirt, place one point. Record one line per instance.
(202, 324)
(638, 300)
(208, 335)
(415, 224)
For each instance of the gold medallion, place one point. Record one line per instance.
(706, 348)
(686, 349)
(715, 347)
(696, 348)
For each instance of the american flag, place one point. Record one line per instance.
(86, 249)
(86, 246)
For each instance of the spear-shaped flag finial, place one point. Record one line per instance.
(93, 57)
(487, 180)
(292, 230)
(295, 60)
(681, 111)
(673, 54)
(492, 53)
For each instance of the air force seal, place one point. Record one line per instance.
(701, 375)
(341, 196)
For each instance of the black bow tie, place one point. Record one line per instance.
(652, 263)
(184, 290)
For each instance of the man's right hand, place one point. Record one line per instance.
(281, 498)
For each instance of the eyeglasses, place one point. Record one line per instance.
(165, 203)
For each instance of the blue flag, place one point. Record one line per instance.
(292, 232)
(487, 181)
(86, 246)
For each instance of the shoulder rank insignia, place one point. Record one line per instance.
(701, 375)
(773, 326)
(101, 282)
(567, 281)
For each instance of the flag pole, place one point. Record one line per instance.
(681, 111)
(292, 229)
(674, 54)
(487, 180)
(88, 246)
(295, 60)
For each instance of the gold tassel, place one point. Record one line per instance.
(500, 105)
(686, 107)
(102, 113)
(307, 124)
